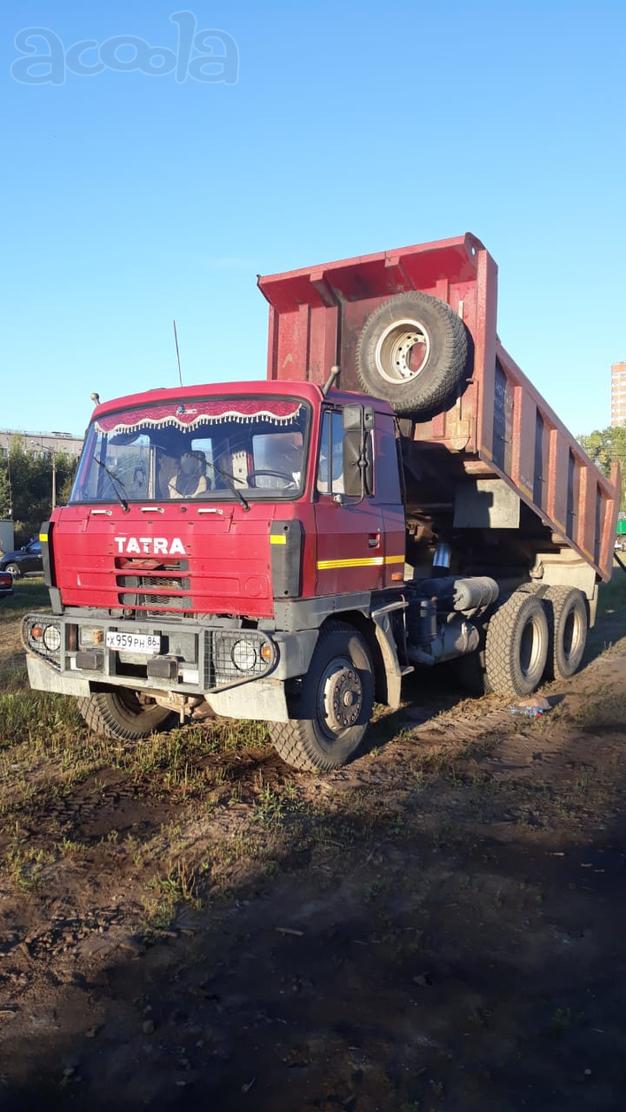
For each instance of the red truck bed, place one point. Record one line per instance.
(499, 426)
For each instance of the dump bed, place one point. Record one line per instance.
(499, 426)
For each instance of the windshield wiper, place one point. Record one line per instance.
(231, 480)
(115, 483)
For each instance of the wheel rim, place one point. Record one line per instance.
(530, 648)
(135, 702)
(402, 351)
(13, 570)
(573, 635)
(340, 697)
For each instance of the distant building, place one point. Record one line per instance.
(41, 443)
(618, 394)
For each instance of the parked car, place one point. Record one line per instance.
(23, 560)
(6, 584)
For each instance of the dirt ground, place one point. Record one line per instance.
(440, 926)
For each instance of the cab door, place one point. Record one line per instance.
(350, 529)
(388, 495)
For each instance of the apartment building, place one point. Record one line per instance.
(41, 443)
(618, 394)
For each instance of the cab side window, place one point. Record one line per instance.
(386, 462)
(330, 466)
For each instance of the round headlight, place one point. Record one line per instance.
(52, 638)
(243, 655)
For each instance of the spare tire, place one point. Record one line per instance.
(414, 352)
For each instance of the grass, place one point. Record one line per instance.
(593, 713)
(29, 594)
(612, 595)
(37, 718)
(25, 864)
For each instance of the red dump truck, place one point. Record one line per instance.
(288, 550)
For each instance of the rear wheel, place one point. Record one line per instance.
(567, 629)
(124, 715)
(517, 645)
(334, 705)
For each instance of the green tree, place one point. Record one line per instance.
(29, 478)
(5, 489)
(605, 446)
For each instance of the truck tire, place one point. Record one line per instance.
(414, 352)
(566, 610)
(517, 645)
(121, 715)
(335, 704)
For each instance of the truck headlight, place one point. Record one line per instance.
(243, 655)
(52, 638)
(239, 655)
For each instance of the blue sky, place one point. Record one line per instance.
(128, 199)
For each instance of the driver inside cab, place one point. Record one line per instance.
(189, 480)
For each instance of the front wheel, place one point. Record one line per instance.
(334, 705)
(124, 715)
(14, 570)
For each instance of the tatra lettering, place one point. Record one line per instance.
(149, 546)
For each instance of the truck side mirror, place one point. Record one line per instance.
(352, 441)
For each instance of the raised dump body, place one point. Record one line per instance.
(495, 427)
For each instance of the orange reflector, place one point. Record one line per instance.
(36, 633)
(266, 652)
(397, 576)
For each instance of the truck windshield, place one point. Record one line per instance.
(198, 449)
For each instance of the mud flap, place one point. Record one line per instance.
(261, 700)
(387, 643)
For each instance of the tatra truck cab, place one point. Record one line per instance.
(288, 550)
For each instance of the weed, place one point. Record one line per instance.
(70, 847)
(269, 808)
(179, 885)
(25, 866)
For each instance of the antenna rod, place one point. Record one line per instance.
(180, 373)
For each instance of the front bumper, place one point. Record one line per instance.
(222, 663)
